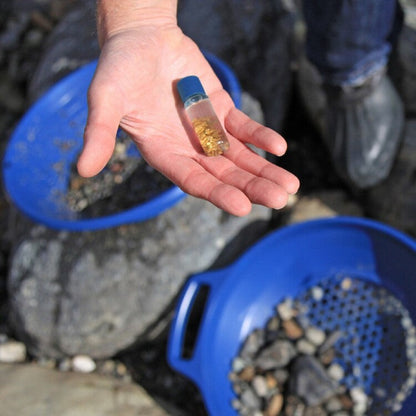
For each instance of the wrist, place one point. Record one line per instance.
(117, 15)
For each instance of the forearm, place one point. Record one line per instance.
(117, 15)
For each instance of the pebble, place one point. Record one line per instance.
(12, 352)
(346, 283)
(272, 382)
(358, 395)
(273, 324)
(294, 406)
(292, 329)
(315, 335)
(317, 293)
(277, 355)
(65, 365)
(108, 367)
(238, 364)
(315, 411)
(346, 401)
(236, 404)
(310, 381)
(252, 344)
(305, 347)
(334, 404)
(330, 341)
(328, 356)
(83, 364)
(286, 310)
(281, 376)
(274, 406)
(259, 385)
(335, 371)
(247, 373)
(250, 400)
(121, 369)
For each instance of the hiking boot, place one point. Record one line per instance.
(361, 126)
(394, 200)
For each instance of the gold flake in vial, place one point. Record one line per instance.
(211, 136)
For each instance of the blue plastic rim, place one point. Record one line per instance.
(48, 139)
(286, 263)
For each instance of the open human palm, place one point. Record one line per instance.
(134, 88)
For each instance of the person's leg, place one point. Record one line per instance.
(349, 42)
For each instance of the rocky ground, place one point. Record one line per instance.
(137, 380)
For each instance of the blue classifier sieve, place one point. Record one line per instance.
(366, 275)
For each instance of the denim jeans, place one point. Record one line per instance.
(348, 40)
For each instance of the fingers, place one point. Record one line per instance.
(192, 178)
(249, 161)
(249, 131)
(101, 129)
(258, 189)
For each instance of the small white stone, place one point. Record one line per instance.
(360, 409)
(286, 310)
(397, 407)
(305, 347)
(236, 404)
(407, 322)
(333, 405)
(335, 371)
(358, 395)
(317, 293)
(410, 341)
(410, 382)
(83, 364)
(315, 335)
(260, 386)
(412, 371)
(400, 397)
(346, 283)
(12, 352)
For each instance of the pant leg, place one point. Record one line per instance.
(348, 40)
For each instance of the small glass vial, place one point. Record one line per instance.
(201, 114)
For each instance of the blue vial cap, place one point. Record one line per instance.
(189, 86)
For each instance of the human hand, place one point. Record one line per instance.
(134, 88)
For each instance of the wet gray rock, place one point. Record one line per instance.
(277, 355)
(310, 381)
(96, 293)
(71, 44)
(29, 390)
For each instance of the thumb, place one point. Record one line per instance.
(100, 131)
